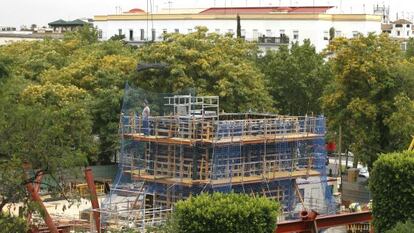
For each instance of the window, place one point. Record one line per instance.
(164, 31)
(268, 33)
(398, 33)
(398, 26)
(296, 35)
(99, 34)
(408, 25)
(338, 33)
(282, 32)
(177, 30)
(153, 34)
(190, 30)
(142, 36)
(408, 33)
(255, 34)
(325, 35)
(131, 35)
(119, 32)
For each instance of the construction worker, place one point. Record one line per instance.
(145, 118)
(355, 207)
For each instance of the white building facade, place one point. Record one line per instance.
(270, 26)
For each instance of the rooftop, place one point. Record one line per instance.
(402, 21)
(61, 22)
(267, 10)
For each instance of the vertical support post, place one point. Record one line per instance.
(340, 151)
(36, 197)
(94, 198)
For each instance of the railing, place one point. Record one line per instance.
(273, 40)
(199, 128)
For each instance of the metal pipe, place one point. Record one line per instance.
(94, 198)
(36, 197)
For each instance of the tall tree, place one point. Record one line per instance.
(368, 88)
(410, 48)
(213, 64)
(295, 77)
(47, 127)
(238, 26)
(99, 68)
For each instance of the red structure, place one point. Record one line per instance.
(34, 193)
(310, 222)
(94, 198)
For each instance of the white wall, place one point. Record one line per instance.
(308, 29)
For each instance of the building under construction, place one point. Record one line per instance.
(175, 146)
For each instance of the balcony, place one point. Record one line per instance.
(273, 40)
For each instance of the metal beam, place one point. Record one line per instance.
(323, 222)
(94, 197)
(32, 189)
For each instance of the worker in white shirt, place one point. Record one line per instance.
(145, 118)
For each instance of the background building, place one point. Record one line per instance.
(60, 26)
(270, 26)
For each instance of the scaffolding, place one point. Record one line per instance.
(186, 147)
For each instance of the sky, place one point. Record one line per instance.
(40, 12)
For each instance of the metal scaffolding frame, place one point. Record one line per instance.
(186, 148)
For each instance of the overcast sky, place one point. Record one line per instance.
(41, 12)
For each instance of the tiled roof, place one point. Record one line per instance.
(61, 22)
(402, 21)
(266, 10)
(136, 11)
(386, 26)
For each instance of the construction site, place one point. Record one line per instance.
(174, 146)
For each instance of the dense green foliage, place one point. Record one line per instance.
(12, 224)
(295, 77)
(59, 106)
(212, 213)
(410, 48)
(392, 188)
(60, 99)
(370, 96)
(407, 227)
(213, 64)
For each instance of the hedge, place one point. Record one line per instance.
(392, 187)
(230, 213)
(407, 227)
(12, 224)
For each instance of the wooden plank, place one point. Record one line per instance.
(270, 176)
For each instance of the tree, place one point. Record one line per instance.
(47, 127)
(363, 96)
(296, 78)
(213, 64)
(391, 184)
(407, 227)
(4, 71)
(117, 37)
(12, 224)
(79, 60)
(331, 33)
(218, 212)
(410, 48)
(238, 26)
